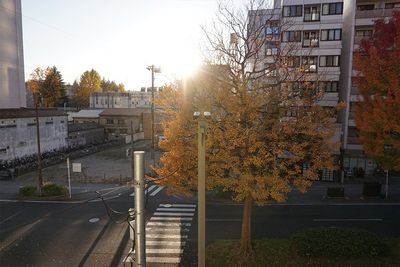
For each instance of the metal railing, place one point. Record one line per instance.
(375, 13)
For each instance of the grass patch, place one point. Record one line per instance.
(283, 252)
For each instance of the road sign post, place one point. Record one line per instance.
(140, 246)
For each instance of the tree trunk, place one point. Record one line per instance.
(245, 242)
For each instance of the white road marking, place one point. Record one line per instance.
(178, 205)
(165, 242)
(150, 188)
(156, 191)
(346, 220)
(169, 224)
(164, 250)
(174, 230)
(10, 217)
(163, 259)
(174, 209)
(172, 214)
(170, 219)
(161, 235)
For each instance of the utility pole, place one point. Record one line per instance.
(153, 70)
(39, 155)
(140, 246)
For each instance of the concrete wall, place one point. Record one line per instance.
(86, 137)
(18, 136)
(12, 79)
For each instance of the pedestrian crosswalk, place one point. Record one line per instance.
(151, 190)
(167, 233)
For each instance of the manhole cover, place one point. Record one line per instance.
(93, 220)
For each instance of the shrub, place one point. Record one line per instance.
(336, 242)
(28, 191)
(51, 189)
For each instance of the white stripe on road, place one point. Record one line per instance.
(165, 236)
(170, 219)
(171, 230)
(163, 259)
(174, 209)
(165, 242)
(178, 205)
(164, 250)
(10, 217)
(169, 224)
(346, 220)
(150, 188)
(156, 191)
(172, 214)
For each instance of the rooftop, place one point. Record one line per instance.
(86, 113)
(124, 111)
(10, 113)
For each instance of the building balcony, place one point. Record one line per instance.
(375, 13)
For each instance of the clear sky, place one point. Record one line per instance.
(118, 38)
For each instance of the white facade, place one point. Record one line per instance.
(133, 99)
(12, 80)
(18, 136)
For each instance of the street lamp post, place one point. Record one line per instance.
(201, 185)
(153, 70)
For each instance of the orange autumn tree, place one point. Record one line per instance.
(263, 137)
(377, 116)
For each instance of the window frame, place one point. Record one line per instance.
(296, 9)
(329, 59)
(298, 32)
(316, 38)
(328, 39)
(315, 63)
(330, 83)
(318, 6)
(335, 4)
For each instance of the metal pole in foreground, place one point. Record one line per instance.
(140, 246)
(69, 178)
(201, 191)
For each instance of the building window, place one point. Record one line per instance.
(3, 150)
(364, 33)
(270, 70)
(32, 124)
(291, 36)
(123, 131)
(331, 35)
(332, 9)
(310, 38)
(271, 49)
(392, 5)
(311, 13)
(49, 122)
(292, 62)
(309, 64)
(110, 121)
(293, 11)
(365, 7)
(120, 121)
(329, 87)
(272, 29)
(329, 61)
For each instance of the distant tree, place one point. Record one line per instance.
(111, 86)
(90, 82)
(263, 137)
(377, 116)
(50, 85)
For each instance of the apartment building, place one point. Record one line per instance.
(132, 99)
(324, 35)
(358, 17)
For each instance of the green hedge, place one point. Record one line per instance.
(220, 193)
(28, 191)
(338, 242)
(48, 190)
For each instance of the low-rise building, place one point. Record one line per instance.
(132, 99)
(122, 122)
(82, 134)
(19, 134)
(85, 116)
